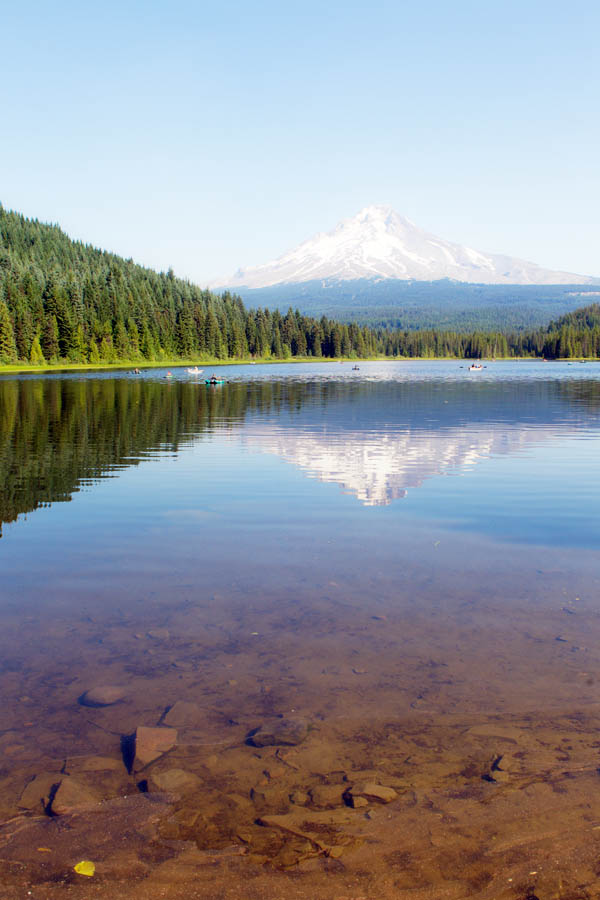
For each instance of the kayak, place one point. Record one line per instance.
(218, 381)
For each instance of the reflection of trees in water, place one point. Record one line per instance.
(56, 433)
(581, 393)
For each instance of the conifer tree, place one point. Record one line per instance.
(8, 347)
(94, 354)
(36, 357)
(50, 346)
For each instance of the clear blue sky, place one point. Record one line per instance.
(210, 135)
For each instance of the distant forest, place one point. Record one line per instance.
(445, 305)
(62, 301)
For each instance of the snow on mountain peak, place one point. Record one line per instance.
(378, 243)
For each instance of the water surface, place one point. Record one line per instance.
(405, 556)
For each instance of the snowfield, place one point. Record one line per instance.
(378, 243)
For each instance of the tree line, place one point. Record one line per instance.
(62, 301)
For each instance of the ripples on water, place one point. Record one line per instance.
(405, 556)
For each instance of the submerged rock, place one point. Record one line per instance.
(151, 743)
(72, 796)
(103, 695)
(272, 799)
(279, 731)
(176, 781)
(182, 714)
(88, 764)
(370, 790)
(36, 794)
(326, 796)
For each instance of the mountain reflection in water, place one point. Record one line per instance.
(440, 653)
(375, 440)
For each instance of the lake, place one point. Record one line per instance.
(360, 607)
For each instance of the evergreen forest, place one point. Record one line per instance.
(65, 302)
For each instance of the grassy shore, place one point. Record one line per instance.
(17, 368)
(172, 363)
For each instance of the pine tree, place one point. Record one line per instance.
(50, 346)
(77, 352)
(36, 357)
(134, 338)
(8, 347)
(94, 354)
(148, 346)
(121, 344)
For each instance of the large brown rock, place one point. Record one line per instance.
(72, 796)
(279, 731)
(36, 794)
(327, 796)
(151, 744)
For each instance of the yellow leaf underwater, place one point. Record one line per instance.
(85, 867)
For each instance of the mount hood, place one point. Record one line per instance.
(379, 244)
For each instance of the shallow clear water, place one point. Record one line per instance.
(304, 537)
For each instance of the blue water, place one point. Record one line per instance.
(396, 554)
(360, 460)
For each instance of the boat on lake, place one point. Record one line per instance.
(475, 368)
(195, 371)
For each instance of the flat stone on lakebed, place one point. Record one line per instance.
(278, 731)
(370, 790)
(176, 781)
(182, 714)
(72, 796)
(151, 743)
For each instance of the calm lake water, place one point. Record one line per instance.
(405, 557)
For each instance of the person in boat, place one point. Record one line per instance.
(213, 379)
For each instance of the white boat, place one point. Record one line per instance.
(475, 368)
(195, 371)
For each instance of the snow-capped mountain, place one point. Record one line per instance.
(379, 244)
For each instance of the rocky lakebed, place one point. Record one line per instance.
(188, 762)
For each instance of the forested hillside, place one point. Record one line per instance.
(62, 301)
(576, 334)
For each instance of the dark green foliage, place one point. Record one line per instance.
(73, 303)
(63, 301)
(8, 347)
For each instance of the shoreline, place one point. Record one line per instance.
(17, 368)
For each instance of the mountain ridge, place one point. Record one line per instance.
(379, 244)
